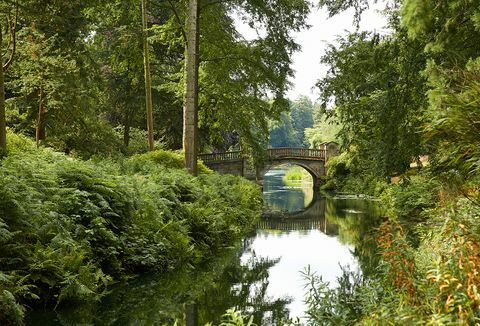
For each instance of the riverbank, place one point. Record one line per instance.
(70, 228)
(428, 248)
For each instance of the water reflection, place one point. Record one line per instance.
(261, 277)
(280, 198)
(164, 300)
(324, 234)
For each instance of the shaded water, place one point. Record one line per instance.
(262, 277)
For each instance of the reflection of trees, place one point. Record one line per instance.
(161, 299)
(356, 220)
(248, 294)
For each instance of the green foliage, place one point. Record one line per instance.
(235, 318)
(343, 304)
(435, 282)
(377, 91)
(289, 130)
(168, 159)
(338, 169)
(301, 111)
(282, 133)
(297, 173)
(84, 67)
(431, 277)
(452, 127)
(335, 7)
(324, 129)
(413, 196)
(451, 28)
(68, 228)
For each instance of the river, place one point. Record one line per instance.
(261, 277)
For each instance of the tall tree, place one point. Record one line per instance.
(11, 28)
(148, 83)
(302, 117)
(282, 132)
(377, 90)
(452, 33)
(190, 114)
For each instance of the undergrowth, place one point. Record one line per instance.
(431, 278)
(69, 228)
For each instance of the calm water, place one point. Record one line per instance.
(261, 277)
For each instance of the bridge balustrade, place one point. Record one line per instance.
(296, 153)
(219, 157)
(272, 153)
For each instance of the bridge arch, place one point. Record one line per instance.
(269, 166)
(316, 168)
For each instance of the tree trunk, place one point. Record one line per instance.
(190, 111)
(191, 314)
(40, 130)
(148, 83)
(126, 129)
(3, 122)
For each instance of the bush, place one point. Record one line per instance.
(410, 198)
(169, 159)
(337, 171)
(295, 174)
(68, 228)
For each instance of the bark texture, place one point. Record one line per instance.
(40, 130)
(190, 111)
(3, 122)
(148, 82)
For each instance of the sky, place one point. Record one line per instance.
(314, 41)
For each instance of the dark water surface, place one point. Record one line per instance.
(261, 277)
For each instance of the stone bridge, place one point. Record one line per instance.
(312, 160)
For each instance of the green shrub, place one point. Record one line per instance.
(295, 174)
(138, 140)
(69, 228)
(413, 196)
(337, 172)
(169, 159)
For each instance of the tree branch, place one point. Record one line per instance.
(13, 39)
(177, 16)
(214, 2)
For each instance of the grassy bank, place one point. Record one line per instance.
(69, 228)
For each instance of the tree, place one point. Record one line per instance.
(237, 76)
(12, 26)
(53, 75)
(302, 117)
(190, 113)
(148, 83)
(335, 7)
(325, 129)
(375, 85)
(282, 133)
(452, 31)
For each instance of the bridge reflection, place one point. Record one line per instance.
(311, 218)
